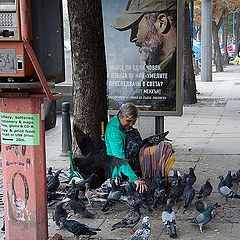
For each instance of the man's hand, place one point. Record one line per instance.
(141, 186)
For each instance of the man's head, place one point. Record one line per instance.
(152, 22)
(137, 8)
(128, 114)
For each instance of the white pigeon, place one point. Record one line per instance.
(143, 232)
(169, 220)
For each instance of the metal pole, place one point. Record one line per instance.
(66, 129)
(159, 124)
(234, 26)
(206, 41)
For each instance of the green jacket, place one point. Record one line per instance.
(115, 145)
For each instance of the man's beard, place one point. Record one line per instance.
(151, 54)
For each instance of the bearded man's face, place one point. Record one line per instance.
(145, 36)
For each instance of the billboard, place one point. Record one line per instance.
(143, 42)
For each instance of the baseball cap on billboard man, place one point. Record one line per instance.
(136, 8)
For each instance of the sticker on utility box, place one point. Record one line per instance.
(8, 61)
(20, 129)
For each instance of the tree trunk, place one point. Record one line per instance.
(89, 69)
(217, 52)
(225, 35)
(189, 77)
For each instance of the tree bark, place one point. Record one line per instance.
(89, 69)
(225, 35)
(217, 52)
(189, 77)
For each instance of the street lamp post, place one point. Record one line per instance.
(206, 41)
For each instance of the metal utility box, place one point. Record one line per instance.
(48, 38)
(43, 22)
(9, 20)
(14, 61)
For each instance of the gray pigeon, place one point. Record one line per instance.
(106, 187)
(204, 217)
(175, 179)
(156, 139)
(188, 193)
(78, 206)
(142, 233)
(205, 190)
(229, 180)
(78, 229)
(3, 226)
(192, 176)
(60, 211)
(169, 220)
(134, 197)
(200, 206)
(49, 174)
(113, 197)
(176, 191)
(236, 176)
(54, 182)
(225, 190)
(160, 194)
(130, 220)
(82, 185)
(93, 154)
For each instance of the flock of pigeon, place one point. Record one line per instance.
(161, 193)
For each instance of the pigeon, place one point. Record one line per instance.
(229, 180)
(188, 193)
(130, 220)
(73, 186)
(113, 197)
(200, 206)
(192, 176)
(94, 195)
(204, 217)
(54, 196)
(106, 187)
(93, 155)
(225, 190)
(78, 229)
(175, 179)
(176, 191)
(160, 194)
(78, 206)
(80, 186)
(60, 212)
(54, 183)
(236, 176)
(3, 226)
(143, 232)
(100, 159)
(169, 220)
(205, 190)
(131, 192)
(156, 139)
(49, 175)
(134, 197)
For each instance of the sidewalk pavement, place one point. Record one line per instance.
(206, 135)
